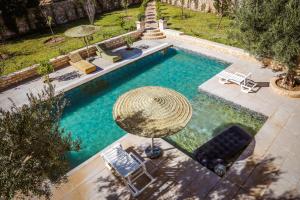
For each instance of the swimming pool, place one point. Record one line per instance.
(89, 115)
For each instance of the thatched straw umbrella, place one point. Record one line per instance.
(82, 31)
(152, 112)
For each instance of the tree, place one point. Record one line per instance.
(48, 19)
(125, 5)
(11, 9)
(158, 10)
(33, 147)
(223, 8)
(90, 9)
(2, 31)
(1, 67)
(271, 29)
(49, 22)
(182, 8)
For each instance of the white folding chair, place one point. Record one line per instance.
(128, 166)
(240, 79)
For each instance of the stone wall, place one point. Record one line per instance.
(61, 61)
(197, 5)
(61, 12)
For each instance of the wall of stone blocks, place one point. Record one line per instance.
(61, 12)
(197, 5)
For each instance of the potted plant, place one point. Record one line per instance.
(129, 42)
(140, 24)
(44, 69)
(277, 44)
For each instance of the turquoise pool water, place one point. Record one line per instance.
(211, 115)
(89, 115)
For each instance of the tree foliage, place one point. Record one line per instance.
(32, 146)
(90, 9)
(223, 8)
(182, 8)
(125, 4)
(271, 28)
(15, 8)
(44, 69)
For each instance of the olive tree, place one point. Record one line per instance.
(125, 4)
(90, 9)
(271, 29)
(33, 147)
(223, 8)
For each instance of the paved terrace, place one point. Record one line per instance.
(69, 77)
(269, 168)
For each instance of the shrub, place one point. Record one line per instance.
(271, 28)
(33, 147)
(141, 17)
(158, 10)
(44, 69)
(129, 41)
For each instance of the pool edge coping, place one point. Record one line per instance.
(112, 67)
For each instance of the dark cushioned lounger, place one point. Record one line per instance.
(223, 148)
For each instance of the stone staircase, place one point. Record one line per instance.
(152, 31)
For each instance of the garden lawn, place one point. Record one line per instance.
(31, 49)
(200, 24)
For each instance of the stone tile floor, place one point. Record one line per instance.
(69, 76)
(268, 169)
(177, 176)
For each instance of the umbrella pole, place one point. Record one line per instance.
(87, 46)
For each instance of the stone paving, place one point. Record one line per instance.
(268, 169)
(70, 76)
(272, 171)
(174, 172)
(152, 31)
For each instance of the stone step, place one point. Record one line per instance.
(153, 37)
(152, 30)
(152, 33)
(150, 20)
(151, 25)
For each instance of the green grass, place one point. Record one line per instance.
(31, 49)
(200, 24)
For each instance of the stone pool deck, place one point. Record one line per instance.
(268, 169)
(70, 77)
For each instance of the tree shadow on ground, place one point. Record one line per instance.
(222, 127)
(129, 54)
(68, 76)
(179, 177)
(260, 85)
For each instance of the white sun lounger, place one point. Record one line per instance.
(128, 166)
(240, 79)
